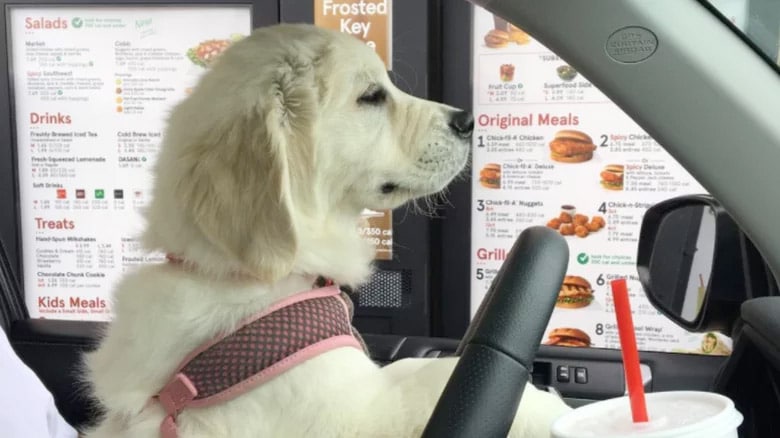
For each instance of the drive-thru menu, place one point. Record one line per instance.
(550, 149)
(91, 90)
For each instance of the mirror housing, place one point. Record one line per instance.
(679, 240)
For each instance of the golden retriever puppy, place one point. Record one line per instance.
(262, 176)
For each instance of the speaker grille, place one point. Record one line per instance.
(386, 289)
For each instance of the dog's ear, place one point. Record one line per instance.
(238, 189)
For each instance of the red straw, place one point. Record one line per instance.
(636, 390)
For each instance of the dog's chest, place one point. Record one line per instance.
(261, 348)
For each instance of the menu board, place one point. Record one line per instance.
(92, 87)
(550, 149)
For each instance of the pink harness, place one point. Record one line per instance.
(263, 346)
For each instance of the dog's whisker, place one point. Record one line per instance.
(399, 246)
(400, 80)
(443, 195)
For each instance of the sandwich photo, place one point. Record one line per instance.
(612, 177)
(490, 176)
(568, 337)
(575, 293)
(503, 33)
(714, 345)
(571, 146)
(497, 39)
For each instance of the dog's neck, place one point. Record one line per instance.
(333, 249)
(182, 262)
(319, 281)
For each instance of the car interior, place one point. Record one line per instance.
(709, 94)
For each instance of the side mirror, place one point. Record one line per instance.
(690, 263)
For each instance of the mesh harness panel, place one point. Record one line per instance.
(261, 348)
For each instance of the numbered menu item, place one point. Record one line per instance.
(92, 87)
(551, 150)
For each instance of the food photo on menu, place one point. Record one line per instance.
(575, 293)
(490, 176)
(571, 146)
(612, 177)
(710, 343)
(571, 222)
(504, 33)
(204, 54)
(568, 337)
(506, 72)
(566, 72)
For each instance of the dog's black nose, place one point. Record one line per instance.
(462, 122)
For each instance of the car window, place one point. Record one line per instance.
(756, 20)
(551, 149)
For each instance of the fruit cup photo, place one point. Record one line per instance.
(507, 72)
(571, 223)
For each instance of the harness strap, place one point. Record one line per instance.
(177, 394)
(262, 347)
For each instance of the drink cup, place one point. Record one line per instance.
(673, 414)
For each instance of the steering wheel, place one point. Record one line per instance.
(497, 352)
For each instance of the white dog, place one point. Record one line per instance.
(260, 184)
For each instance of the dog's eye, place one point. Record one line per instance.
(373, 96)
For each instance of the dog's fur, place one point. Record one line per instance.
(260, 183)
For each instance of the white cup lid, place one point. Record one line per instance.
(673, 414)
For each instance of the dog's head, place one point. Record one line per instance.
(295, 130)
